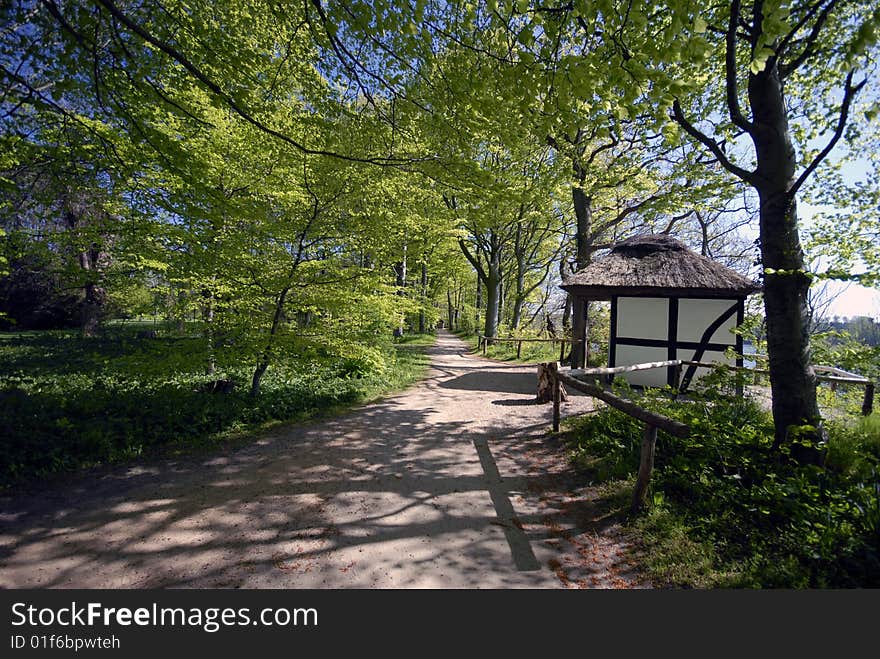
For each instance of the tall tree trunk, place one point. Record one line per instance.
(400, 269)
(792, 380)
(266, 356)
(502, 292)
(584, 216)
(493, 287)
(491, 277)
(93, 308)
(566, 314)
(422, 321)
(519, 292)
(208, 316)
(493, 301)
(450, 312)
(479, 301)
(257, 378)
(94, 295)
(517, 312)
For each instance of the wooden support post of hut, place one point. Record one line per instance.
(667, 303)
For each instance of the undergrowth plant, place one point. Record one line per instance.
(68, 402)
(764, 519)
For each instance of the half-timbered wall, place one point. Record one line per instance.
(648, 329)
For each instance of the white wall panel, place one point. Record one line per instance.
(695, 316)
(628, 355)
(643, 317)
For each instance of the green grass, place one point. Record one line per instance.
(727, 510)
(68, 403)
(532, 352)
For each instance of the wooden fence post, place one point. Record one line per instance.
(557, 394)
(646, 466)
(868, 403)
(562, 351)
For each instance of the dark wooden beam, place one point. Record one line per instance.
(672, 339)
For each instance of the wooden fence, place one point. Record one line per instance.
(652, 420)
(483, 343)
(838, 376)
(834, 377)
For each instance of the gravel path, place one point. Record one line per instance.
(451, 484)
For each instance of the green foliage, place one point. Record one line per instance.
(264, 169)
(68, 402)
(769, 521)
(675, 555)
(842, 349)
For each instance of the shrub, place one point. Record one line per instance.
(772, 521)
(68, 402)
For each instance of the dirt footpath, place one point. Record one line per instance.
(451, 484)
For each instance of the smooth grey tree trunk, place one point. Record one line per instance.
(478, 303)
(400, 269)
(584, 216)
(792, 380)
(493, 301)
(422, 320)
(211, 364)
(450, 312)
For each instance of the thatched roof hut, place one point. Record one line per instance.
(656, 265)
(667, 303)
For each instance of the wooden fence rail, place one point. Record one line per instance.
(483, 343)
(652, 421)
(840, 377)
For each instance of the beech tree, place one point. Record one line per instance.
(767, 88)
(771, 57)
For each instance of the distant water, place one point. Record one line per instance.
(748, 349)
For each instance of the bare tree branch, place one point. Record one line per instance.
(710, 144)
(849, 93)
(473, 260)
(733, 107)
(809, 48)
(236, 107)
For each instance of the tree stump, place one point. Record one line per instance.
(545, 383)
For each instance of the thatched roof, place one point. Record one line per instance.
(656, 265)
